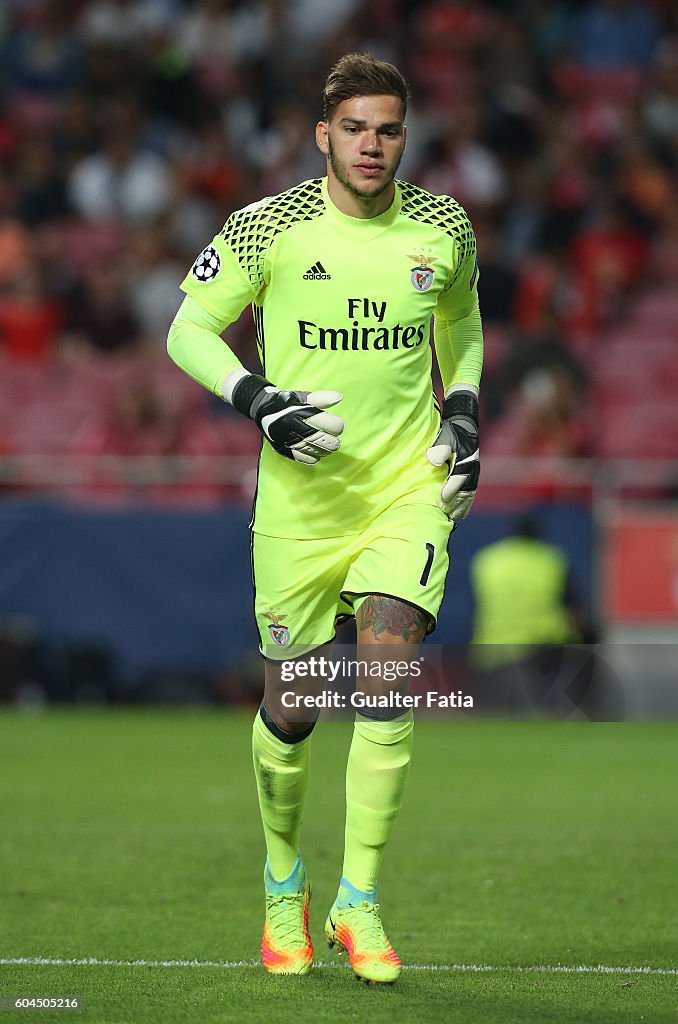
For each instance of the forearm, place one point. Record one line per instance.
(459, 349)
(195, 345)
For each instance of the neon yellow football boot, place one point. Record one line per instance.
(286, 946)
(356, 927)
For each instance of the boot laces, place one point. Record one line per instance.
(367, 925)
(286, 914)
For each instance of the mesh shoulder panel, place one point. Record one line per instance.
(440, 212)
(250, 232)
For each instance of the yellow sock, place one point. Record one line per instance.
(282, 769)
(376, 773)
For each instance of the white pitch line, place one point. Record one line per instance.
(92, 961)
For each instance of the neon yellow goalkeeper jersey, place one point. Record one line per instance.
(345, 304)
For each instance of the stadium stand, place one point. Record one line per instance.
(130, 129)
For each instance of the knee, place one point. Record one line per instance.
(286, 729)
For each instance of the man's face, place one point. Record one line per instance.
(364, 142)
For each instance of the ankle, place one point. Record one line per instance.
(350, 895)
(286, 886)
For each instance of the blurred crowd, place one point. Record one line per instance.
(130, 129)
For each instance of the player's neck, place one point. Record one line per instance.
(361, 207)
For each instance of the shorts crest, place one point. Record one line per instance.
(279, 632)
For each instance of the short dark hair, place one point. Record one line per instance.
(361, 74)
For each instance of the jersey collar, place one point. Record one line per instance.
(365, 228)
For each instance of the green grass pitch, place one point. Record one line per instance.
(135, 836)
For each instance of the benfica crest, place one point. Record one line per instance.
(422, 275)
(280, 633)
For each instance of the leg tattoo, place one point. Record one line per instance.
(388, 617)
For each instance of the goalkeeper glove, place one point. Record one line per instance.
(457, 444)
(293, 421)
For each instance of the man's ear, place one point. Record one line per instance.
(322, 138)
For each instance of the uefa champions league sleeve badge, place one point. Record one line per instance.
(207, 265)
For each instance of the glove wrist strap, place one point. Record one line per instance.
(461, 405)
(248, 393)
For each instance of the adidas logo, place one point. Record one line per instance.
(317, 273)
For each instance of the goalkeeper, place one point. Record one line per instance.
(361, 475)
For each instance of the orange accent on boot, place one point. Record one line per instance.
(357, 959)
(295, 960)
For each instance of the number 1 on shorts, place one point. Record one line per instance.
(429, 562)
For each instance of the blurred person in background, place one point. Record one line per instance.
(45, 59)
(500, 279)
(41, 193)
(552, 427)
(346, 527)
(540, 343)
(125, 23)
(15, 249)
(124, 179)
(30, 319)
(457, 162)
(100, 317)
(609, 262)
(524, 604)
(152, 276)
(660, 103)
(216, 36)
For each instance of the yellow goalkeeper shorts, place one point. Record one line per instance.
(304, 588)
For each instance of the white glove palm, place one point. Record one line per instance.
(296, 426)
(294, 422)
